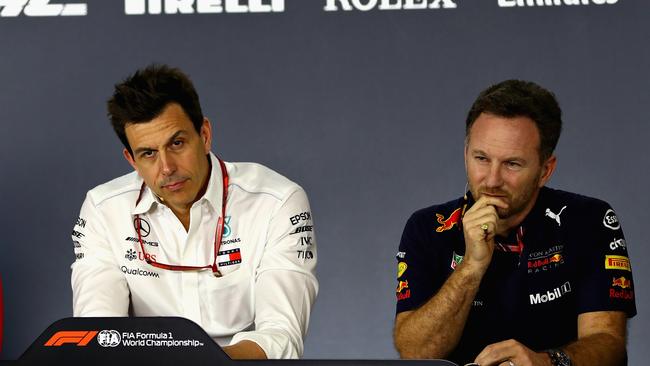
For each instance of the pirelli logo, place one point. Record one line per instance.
(617, 262)
(79, 337)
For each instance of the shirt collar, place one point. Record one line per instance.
(213, 194)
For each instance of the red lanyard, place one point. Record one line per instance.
(217, 237)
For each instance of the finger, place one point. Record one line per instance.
(490, 201)
(496, 353)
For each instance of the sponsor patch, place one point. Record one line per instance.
(447, 224)
(400, 255)
(403, 292)
(611, 220)
(621, 282)
(229, 257)
(617, 262)
(617, 243)
(550, 295)
(455, 260)
(401, 268)
(555, 216)
(621, 294)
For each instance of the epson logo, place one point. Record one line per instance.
(550, 295)
(140, 7)
(40, 8)
(512, 3)
(366, 5)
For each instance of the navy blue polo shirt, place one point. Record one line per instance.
(574, 260)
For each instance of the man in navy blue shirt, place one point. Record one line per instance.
(514, 273)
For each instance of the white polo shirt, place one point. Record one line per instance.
(267, 258)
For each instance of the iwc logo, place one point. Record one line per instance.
(109, 338)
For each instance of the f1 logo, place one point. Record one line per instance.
(79, 337)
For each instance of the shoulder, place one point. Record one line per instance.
(255, 178)
(576, 204)
(124, 186)
(580, 209)
(448, 214)
(434, 223)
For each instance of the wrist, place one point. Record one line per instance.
(558, 357)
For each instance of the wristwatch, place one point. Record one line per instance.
(558, 357)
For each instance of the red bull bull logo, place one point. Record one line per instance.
(401, 294)
(401, 286)
(556, 258)
(447, 224)
(621, 282)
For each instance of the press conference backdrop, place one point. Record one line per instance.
(362, 102)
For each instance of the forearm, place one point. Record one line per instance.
(602, 349)
(434, 329)
(245, 350)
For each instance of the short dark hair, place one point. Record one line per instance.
(143, 96)
(515, 98)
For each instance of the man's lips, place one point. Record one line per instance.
(175, 186)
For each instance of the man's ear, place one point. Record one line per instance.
(547, 170)
(129, 158)
(206, 135)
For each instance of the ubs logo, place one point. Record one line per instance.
(145, 228)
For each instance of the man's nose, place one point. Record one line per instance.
(494, 178)
(167, 164)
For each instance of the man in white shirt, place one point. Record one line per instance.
(167, 240)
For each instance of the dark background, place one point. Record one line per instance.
(364, 109)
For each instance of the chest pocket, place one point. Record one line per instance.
(229, 301)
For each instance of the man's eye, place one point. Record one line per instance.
(146, 154)
(480, 158)
(513, 164)
(177, 144)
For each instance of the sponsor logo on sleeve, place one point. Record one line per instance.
(305, 216)
(403, 292)
(401, 268)
(617, 262)
(611, 220)
(617, 243)
(448, 223)
(81, 222)
(400, 255)
(621, 282)
(77, 234)
(303, 229)
(621, 294)
(550, 295)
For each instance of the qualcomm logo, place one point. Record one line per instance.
(109, 338)
(139, 7)
(511, 3)
(365, 5)
(40, 8)
(550, 295)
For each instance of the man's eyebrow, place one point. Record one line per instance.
(169, 141)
